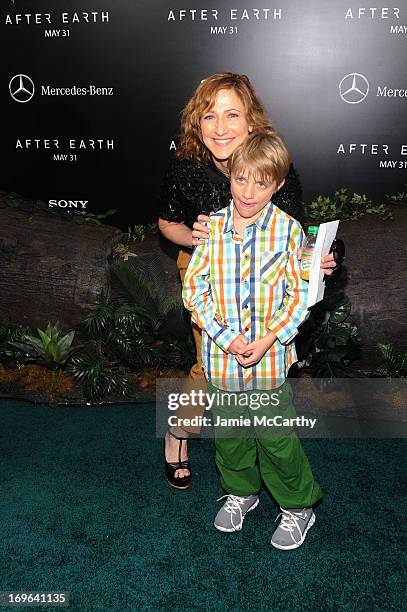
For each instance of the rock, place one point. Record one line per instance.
(50, 267)
(376, 262)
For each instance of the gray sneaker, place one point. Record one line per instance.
(293, 528)
(230, 517)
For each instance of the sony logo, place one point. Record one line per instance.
(67, 203)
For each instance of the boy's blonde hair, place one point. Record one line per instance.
(264, 155)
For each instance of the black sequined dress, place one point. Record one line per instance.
(190, 189)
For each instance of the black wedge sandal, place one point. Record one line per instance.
(171, 468)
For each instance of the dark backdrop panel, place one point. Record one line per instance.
(152, 57)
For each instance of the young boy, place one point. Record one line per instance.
(244, 290)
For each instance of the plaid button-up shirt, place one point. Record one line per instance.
(247, 285)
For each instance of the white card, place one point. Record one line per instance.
(316, 287)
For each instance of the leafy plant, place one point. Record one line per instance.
(96, 218)
(140, 232)
(148, 328)
(164, 334)
(394, 364)
(50, 348)
(328, 343)
(10, 355)
(98, 376)
(341, 206)
(401, 196)
(138, 334)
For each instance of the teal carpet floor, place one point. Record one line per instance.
(84, 508)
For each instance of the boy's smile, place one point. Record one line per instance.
(250, 195)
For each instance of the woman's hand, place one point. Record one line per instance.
(328, 264)
(178, 233)
(200, 231)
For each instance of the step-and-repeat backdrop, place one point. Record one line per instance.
(91, 92)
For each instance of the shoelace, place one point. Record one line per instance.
(289, 521)
(233, 503)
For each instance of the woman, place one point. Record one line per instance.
(223, 110)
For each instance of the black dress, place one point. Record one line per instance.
(190, 189)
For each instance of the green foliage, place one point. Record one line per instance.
(401, 196)
(97, 323)
(329, 341)
(146, 283)
(98, 219)
(139, 233)
(394, 364)
(149, 332)
(137, 334)
(99, 377)
(150, 328)
(49, 348)
(11, 356)
(341, 206)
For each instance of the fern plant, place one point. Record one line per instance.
(164, 337)
(394, 364)
(11, 356)
(99, 377)
(328, 342)
(146, 329)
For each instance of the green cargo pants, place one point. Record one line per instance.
(246, 455)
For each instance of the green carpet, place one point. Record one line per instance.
(85, 508)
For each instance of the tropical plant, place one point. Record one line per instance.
(98, 376)
(394, 364)
(155, 323)
(344, 207)
(138, 334)
(50, 348)
(11, 356)
(329, 343)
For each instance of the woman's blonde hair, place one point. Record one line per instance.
(191, 145)
(264, 155)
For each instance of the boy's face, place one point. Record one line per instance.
(251, 194)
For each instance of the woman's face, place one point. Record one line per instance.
(224, 126)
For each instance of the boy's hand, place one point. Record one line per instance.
(237, 345)
(200, 231)
(253, 352)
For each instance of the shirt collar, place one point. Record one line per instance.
(263, 222)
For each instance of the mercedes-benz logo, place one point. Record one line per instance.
(353, 88)
(21, 88)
